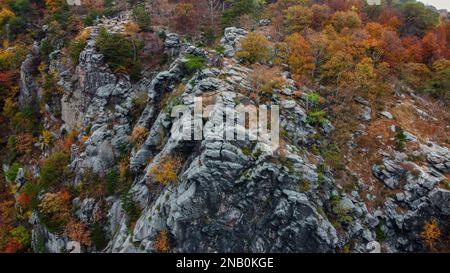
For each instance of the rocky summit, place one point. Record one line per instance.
(97, 98)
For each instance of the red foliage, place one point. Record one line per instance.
(24, 200)
(413, 49)
(12, 246)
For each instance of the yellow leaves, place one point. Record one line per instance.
(138, 136)
(441, 65)
(56, 206)
(9, 107)
(431, 233)
(83, 35)
(346, 19)
(47, 137)
(5, 15)
(365, 68)
(254, 48)
(54, 5)
(297, 18)
(162, 242)
(166, 171)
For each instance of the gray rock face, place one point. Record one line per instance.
(28, 86)
(229, 195)
(387, 115)
(264, 22)
(366, 114)
(172, 44)
(438, 157)
(225, 199)
(45, 241)
(231, 39)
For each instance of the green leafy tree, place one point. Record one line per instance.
(120, 53)
(54, 169)
(237, 9)
(142, 17)
(418, 19)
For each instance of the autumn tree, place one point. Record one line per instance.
(79, 232)
(431, 233)
(345, 19)
(254, 48)
(264, 81)
(297, 53)
(439, 84)
(297, 18)
(54, 210)
(184, 18)
(55, 169)
(320, 16)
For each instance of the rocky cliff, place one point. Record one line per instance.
(229, 195)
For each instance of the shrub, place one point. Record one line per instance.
(21, 235)
(50, 86)
(47, 137)
(24, 200)
(304, 185)
(142, 17)
(78, 231)
(194, 62)
(265, 79)
(400, 138)
(162, 242)
(75, 48)
(431, 233)
(120, 53)
(297, 53)
(254, 48)
(316, 117)
(166, 171)
(12, 246)
(138, 136)
(54, 169)
(98, 237)
(220, 49)
(418, 19)
(54, 210)
(130, 207)
(439, 84)
(111, 182)
(12, 171)
(238, 8)
(139, 104)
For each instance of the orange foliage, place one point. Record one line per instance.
(431, 233)
(79, 232)
(25, 143)
(162, 242)
(298, 54)
(166, 171)
(138, 136)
